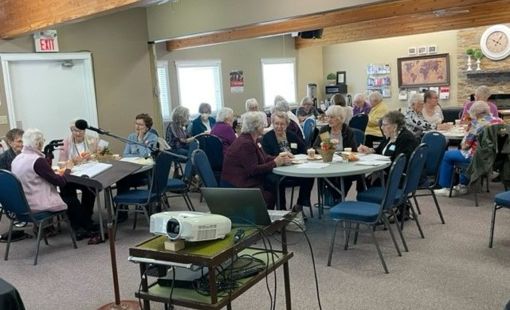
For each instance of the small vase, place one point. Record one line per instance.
(327, 156)
(469, 64)
(478, 65)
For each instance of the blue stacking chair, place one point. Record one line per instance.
(359, 121)
(181, 187)
(13, 200)
(413, 175)
(501, 200)
(437, 143)
(201, 163)
(213, 148)
(308, 129)
(369, 214)
(359, 136)
(143, 199)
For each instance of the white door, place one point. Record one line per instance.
(47, 91)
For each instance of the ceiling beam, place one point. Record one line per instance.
(366, 13)
(19, 17)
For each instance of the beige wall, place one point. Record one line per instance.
(242, 55)
(197, 16)
(354, 58)
(118, 44)
(310, 70)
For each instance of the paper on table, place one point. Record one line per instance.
(139, 160)
(90, 169)
(374, 157)
(300, 157)
(312, 165)
(374, 163)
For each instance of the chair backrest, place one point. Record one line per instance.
(415, 168)
(202, 166)
(359, 136)
(160, 173)
(12, 196)
(308, 127)
(193, 145)
(437, 146)
(162, 144)
(213, 148)
(359, 121)
(393, 182)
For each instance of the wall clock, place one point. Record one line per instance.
(495, 42)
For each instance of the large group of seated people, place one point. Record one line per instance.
(250, 155)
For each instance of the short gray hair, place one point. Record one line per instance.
(278, 98)
(33, 137)
(306, 99)
(359, 97)
(224, 113)
(280, 114)
(482, 93)
(479, 108)
(180, 115)
(415, 98)
(375, 96)
(281, 105)
(396, 118)
(252, 121)
(336, 111)
(203, 106)
(252, 105)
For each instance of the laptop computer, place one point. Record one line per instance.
(243, 206)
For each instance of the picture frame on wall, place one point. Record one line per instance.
(432, 49)
(426, 71)
(422, 50)
(411, 51)
(341, 77)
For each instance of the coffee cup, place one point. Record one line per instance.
(457, 122)
(116, 156)
(348, 149)
(311, 153)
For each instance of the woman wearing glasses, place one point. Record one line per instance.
(78, 146)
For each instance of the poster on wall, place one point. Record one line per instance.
(236, 81)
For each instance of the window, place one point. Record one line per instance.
(199, 81)
(164, 90)
(278, 75)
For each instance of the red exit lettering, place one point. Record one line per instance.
(47, 44)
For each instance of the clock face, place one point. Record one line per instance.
(495, 42)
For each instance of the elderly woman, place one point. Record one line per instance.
(415, 122)
(282, 105)
(481, 117)
(78, 146)
(397, 139)
(431, 110)
(251, 105)
(281, 140)
(245, 163)
(40, 184)
(339, 99)
(482, 93)
(306, 109)
(176, 135)
(15, 142)
(360, 105)
(142, 135)
(378, 110)
(223, 128)
(204, 122)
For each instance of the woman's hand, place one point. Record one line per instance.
(283, 159)
(365, 149)
(69, 164)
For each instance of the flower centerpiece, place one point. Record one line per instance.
(328, 148)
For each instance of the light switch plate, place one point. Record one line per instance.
(3, 120)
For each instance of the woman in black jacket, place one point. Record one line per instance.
(280, 139)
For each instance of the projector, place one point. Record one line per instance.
(190, 226)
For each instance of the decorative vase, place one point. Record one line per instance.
(478, 65)
(327, 156)
(469, 63)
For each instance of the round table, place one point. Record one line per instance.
(334, 169)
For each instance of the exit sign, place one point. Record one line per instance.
(46, 41)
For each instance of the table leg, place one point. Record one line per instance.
(278, 182)
(286, 277)
(340, 191)
(212, 284)
(100, 214)
(145, 286)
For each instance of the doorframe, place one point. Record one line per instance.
(7, 58)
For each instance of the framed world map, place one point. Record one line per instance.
(430, 70)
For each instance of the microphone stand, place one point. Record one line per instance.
(124, 304)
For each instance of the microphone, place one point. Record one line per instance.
(82, 125)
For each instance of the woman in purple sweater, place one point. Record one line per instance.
(223, 128)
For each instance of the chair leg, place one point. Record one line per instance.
(71, 231)
(387, 223)
(356, 233)
(347, 231)
(332, 244)
(9, 237)
(378, 250)
(136, 218)
(415, 217)
(493, 223)
(146, 213)
(399, 229)
(292, 198)
(38, 242)
(188, 202)
(437, 205)
(416, 203)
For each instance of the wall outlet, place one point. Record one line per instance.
(3, 120)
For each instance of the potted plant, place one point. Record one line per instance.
(328, 148)
(469, 53)
(478, 56)
(331, 77)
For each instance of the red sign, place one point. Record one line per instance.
(46, 41)
(47, 45)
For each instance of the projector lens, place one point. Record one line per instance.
(173, 228)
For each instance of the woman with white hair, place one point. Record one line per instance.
(282, 105)
(482, 93)
(339, 99)
(415, 122)
(223, 128)
(251, 105)
(379, 109)
(176, 134)
(360, 105)
(432, 112)
(245, 164)
(306, 109)
(78, 146)
(481, 117)
(40, 183)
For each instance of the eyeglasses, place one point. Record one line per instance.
(77, 130)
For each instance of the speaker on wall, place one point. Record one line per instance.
(312, 34)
